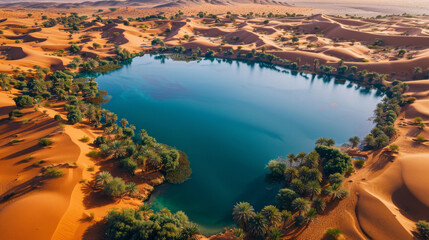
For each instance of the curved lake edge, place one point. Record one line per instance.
(269, 65)
(187, 58)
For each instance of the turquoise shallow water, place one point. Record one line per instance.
(231, 118)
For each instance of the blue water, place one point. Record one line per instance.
(231, 118)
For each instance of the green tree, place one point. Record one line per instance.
(286, 217)
(74, 116)
(170, 159)
(319, 204)
(316, 63)
(336, 192)
(291, 158)
(272, 214)
(275, 234)
(124, 122)
(115, 187)
(103, 177)
(354, 141)
(131, 189)
(334, 233)
(23, 101)
(314, 175)
(190, 232)
(129, 164)
(258, 227)
(313, 189)
(336, 178)
(276, 172)
(334, 161)
(5, 81)
(242, 213)
(284, 198)
(290, 174)
(301, 205)
(74, 48)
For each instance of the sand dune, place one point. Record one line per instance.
(387, 196)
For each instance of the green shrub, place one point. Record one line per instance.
(129, 165)
(84, 139)
(359, 163)
(181, 173)
(334, 161)
(410, 99)
(74, 48)
(423, 229)
(394, 148)
(52, 172)
(16, 141)
(420, 138)
(94, 154)
(74, 116)
(115, 187)
(15, 113)
(45, 142)
(23, 101)
(100, 140)
(25, 121)
(57, 117)
(333, 233)
(27, 159)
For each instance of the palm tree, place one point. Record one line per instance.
(291, 158)
(301, 205)
(319, 204)
(336, 178)
(103, 177)
(272, 214)
(242, 213)
(146, 211)
(286, 217)
(303, 172)
(316, 63)
(330, 142)
(417, 71)
(258, 227)
(117, 149)
(310, 215)
(335, 191)
(313, 188)
(354, 141)
(155, 161)
(290, 174)
(298, 186)
(321, 141)
(190, 232)
(275, 234)
(131, 189)
(300, 157)
(311, 160)
(314, 175)
(124, 122)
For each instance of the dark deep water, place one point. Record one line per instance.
(231, 118)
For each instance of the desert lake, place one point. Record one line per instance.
(231, 118)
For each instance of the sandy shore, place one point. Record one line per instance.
(387, 195)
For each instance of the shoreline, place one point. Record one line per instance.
(82, 160)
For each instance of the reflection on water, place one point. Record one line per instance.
(231, 118)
